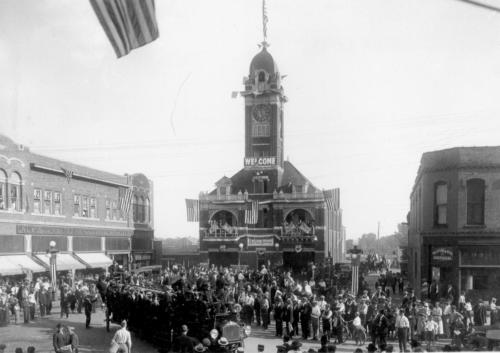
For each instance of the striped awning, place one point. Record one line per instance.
(18, 264)
(64, 262)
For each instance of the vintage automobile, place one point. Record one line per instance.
(229, 327)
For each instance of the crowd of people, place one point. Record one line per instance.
(176, 309)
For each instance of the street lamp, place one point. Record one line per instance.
(52, 252)
(355, 261)
(240, 245)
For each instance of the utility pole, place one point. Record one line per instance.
(378, 237)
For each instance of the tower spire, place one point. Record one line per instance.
(265, 19)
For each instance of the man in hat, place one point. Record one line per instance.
(184, 343)
(200, 348)
(87, 305)
(295, 346)
(223, 345)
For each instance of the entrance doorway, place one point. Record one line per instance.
(298, 261)
(222, 258)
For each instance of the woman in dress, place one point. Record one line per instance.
(437, 317)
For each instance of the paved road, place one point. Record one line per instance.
(39, 334)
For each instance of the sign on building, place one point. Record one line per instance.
(260, 161)
(260, 242)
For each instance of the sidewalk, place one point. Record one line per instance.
(39, 333)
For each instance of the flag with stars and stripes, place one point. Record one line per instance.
(252, 213)
(193, 210)
(128, 24)
(125, 201)
(332, 198)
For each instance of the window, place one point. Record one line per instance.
(57, 203)
(47, 202)
(85, 206)
(298, 188)
(261, 130)
(3, 190)
(147, 211)
(15, 192)
(116, 211)
(77, 207)
(93, 212)
(108, 209)
(141, 209)
(440, 203)
(37, 201)
(136, 209)
(475, 201)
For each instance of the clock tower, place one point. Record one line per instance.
(264, 100)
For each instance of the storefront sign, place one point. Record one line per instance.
(49, 230)
(260, 161)
(443, 254)
(480, 256)
(260, 242)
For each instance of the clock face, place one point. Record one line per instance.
(261, 112)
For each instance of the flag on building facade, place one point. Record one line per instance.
(129, 24)
(252, 213)
(332, 198)
(193, 210)
(125, 200)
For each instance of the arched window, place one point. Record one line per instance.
(136, 209)
(262, 76)
(475, 201)
(141, 209)
(147, 211)
(440, 203)
(15, 192)
(3, 190)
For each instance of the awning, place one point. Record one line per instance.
(64, 262)
(18, 264)
(95, 259)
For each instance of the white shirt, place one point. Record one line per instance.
(122, 336)
(357, 321)
(402, 321)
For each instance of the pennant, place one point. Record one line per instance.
(193, 210)
(129, 24)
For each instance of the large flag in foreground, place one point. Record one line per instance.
(129, 24)
(332, 199)
(193, 210)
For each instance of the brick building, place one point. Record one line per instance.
(83, 210)
(454, 221)
(293, 226)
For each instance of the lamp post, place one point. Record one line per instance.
(277, 247)
(240, 245)
(355, 261)
(52, 251)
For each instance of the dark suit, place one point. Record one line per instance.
(184, 344)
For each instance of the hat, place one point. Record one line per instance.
(223, 341)
(295, 345)
(200, 348)
(206, 342)
(371, 348)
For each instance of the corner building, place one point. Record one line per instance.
(293, 226)
(454, 222)
(83, 210)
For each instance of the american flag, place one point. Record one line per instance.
(252, 213)
(265, 19)
(125, 200)
(332, 198)
(129, 24)
(193, 210)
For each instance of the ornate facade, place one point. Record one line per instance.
(268, 213)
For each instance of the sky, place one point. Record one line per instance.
(372, 84)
